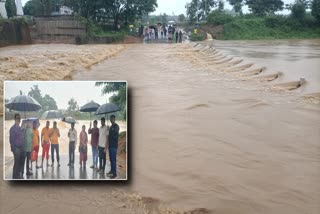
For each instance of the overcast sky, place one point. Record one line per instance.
(61, 91)
(178, 6)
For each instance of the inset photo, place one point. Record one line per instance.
(65, 130)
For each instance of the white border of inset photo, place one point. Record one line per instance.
(106, 179)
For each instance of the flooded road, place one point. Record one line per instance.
(206, 136)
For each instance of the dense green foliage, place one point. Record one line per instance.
(271, 27)
(217, 17)
(119, 97)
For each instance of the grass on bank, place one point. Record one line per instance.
(249, 27)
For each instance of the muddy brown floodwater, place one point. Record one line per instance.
(207, 135)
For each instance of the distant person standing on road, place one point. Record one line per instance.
(180, 36)
(156, 32)
(45, 142)
(103, 139)
(177, 36)
(17, 144)
(72, 134)
(165, 30)
(54, 135)
(161, 31)
(94, 143)
(113, 147)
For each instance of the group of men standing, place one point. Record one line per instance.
(26, 141)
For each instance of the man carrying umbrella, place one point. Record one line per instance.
(17, 143)
(113, 147)
(54, 135)
(45, 142)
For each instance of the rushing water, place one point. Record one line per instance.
(294, 58)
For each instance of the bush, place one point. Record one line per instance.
(197, 37)
(219, 18)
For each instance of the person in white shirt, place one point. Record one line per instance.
(103, 138)
(72, 134)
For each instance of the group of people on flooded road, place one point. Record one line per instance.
(163, 32)
(25, 145)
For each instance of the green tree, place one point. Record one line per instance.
(11, 8)
(199, 9)
(315, 9)
(48, 103)
(35, 93)
(40, 7)
(298, 9)
(125, 10)
(164, 18)
(73, 106)
(181, 18)
(237, 5)
(120, 94)
(220, 5)
(264, 7)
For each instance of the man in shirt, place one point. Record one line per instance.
(45, 142)
(54, 135)
(35, 141)
(103, 137)
(17, 143)
(113, 147)
(72, 134)
(94, 143)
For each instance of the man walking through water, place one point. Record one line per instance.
(94, 143)
(103, 137)
(45, 142)
(113, 147)
(72, 134)
(54, 135)
(17, 143)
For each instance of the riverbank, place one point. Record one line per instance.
(224, 26)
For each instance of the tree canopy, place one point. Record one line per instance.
(199, 9)
(120, 94)
(123, 11)
(264, 7)
(11, 8)
(46, 101)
